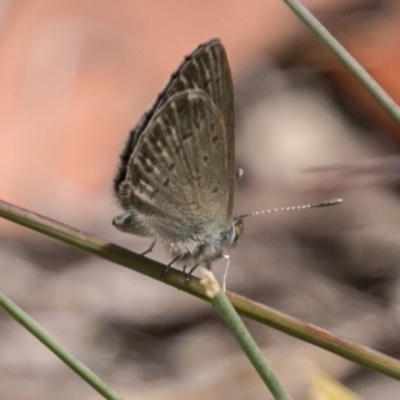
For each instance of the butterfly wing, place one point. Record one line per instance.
(207, 69)
(178, 178)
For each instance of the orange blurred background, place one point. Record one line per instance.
(76, 76)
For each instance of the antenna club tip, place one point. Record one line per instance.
(328, 203)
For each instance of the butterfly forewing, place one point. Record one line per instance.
(207, 69)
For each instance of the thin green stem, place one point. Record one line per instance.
(348, 60)
(242, 335)
(259, 312)
(32, 326)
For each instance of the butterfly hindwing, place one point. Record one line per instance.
(179, 172)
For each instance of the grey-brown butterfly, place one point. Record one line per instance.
(176, 179)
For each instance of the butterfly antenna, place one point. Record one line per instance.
(326, 203)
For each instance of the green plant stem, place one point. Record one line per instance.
(32, 326)
(256, 311)
(242, 335)
(349, 61)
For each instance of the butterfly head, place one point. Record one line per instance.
(237, 230)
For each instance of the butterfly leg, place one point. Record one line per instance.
(149, 250)
(189, 274)
(168, 266)
(228, 263)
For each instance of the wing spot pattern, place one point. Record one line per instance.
(186, 135)
(178, 149)
(148, 168)
(145, 186)
(166, 182)
(155, 191)
(156, 144)
(183, 81)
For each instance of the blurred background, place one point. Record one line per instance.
(75, 77)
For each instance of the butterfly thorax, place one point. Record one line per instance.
(204, 248)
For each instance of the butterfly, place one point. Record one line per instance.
(176, 178)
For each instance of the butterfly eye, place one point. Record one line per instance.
(232, 235)
(238, 230)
